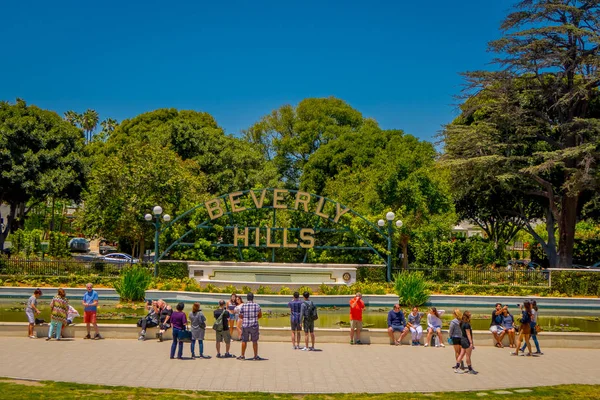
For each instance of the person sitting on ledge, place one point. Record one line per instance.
(414, 325)
(150, 320)
(434, 325)
(164, 312)
(396, 323)
(508, 322)
(496, 325)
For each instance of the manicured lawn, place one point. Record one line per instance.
(11, 389)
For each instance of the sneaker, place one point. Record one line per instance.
(351, 342)
(228, 355)
(295, 347)
(87, 336)
(472, 372)
(539, 353)
(304, 349)
(97, 336)
(47, 339)
(32, 337)
(311, 349)
(441, 345)
(160, 337)
(219, 355)
(142, 337)
(458, 370)
(437, 345)
(426, 344)
(358, 342)
(143, 333)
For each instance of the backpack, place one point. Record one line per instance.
(310, 311)
(218, 325)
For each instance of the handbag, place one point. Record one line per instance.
(538, 329)
(185, 336)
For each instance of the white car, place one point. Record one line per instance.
(120, 258)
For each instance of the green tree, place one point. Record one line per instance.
(40, 157)
(290, 135)
(129, 183)
(374, 171)
(228, 163)
(534, 124)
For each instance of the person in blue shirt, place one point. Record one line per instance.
(90, 307)
(396, 323)
(496, 325)
(295, 319)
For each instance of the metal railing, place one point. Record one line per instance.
(487, 277)
(15, 266)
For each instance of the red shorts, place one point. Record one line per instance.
(89, 317)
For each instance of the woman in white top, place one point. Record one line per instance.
(434, 325)
(236, 310)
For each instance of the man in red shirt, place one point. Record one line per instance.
(356, 309)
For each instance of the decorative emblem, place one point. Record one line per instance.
(346, 276)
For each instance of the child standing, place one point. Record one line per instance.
(198, 323)
(59, 307)
(31, 311)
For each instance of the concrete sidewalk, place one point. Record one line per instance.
(337, 368)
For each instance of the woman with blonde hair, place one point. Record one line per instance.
(59, 307)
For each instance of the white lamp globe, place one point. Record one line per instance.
(390, 216)
(157, 210)
(399, 224)
(381, 222)
(148, 217)
(167, 217)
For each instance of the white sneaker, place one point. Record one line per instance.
(426, 345)
(304, 349)
(437, 345)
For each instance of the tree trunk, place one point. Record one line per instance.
(8, 221)
(142, 248)
(566, 231)
(52, 219)
(404, 242)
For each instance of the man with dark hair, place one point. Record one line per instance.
(496, 326)
(250, 313)
(222, 334)
(295, 319)
(308, 313)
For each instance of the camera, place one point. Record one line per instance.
(518, 305)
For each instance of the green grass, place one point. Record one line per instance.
(12, 389)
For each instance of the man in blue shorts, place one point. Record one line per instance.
(295, 319)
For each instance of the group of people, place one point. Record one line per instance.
(504, 324)
(63, 314)
(236, 315)
(230, 315)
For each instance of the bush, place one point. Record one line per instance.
(133, 283)
(285, 290)
(170, 270)
(411, 288)
(372, 274)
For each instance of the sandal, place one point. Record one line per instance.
(258, 358)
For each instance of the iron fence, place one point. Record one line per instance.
(487, 277)
(15, 266)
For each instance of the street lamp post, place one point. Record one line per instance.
(157, 211)
(390, 231)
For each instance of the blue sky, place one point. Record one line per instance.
(395, 61)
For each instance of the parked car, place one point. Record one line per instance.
(79, 245)
(595, 266)
(107, 249)
(120, 258)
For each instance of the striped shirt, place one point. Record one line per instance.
(249, 313)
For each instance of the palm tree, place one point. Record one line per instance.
(108, 126)
(73, 117)
(89, 122)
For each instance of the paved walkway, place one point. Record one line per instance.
(337, 368)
